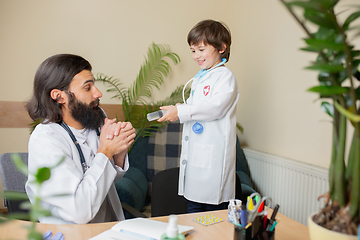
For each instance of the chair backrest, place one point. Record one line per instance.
(164, 197)
(12, 179)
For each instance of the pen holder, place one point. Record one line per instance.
(239, 233)
(257, 231)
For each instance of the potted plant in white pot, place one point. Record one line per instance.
(338, 87)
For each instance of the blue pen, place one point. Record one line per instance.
(136, 235)
(243, 215)
(273, 226)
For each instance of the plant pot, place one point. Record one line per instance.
(320, 233)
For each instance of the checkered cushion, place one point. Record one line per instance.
(164, 149)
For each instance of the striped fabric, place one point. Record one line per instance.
(164, 149)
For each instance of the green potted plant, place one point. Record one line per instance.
(34, 211)
(135, 99)
(338, 87)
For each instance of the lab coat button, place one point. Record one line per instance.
(186, 138)
(183, 162)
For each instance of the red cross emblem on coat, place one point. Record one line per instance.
(206, 90)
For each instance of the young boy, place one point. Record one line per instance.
(207, 162)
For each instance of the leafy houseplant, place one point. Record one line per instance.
(134, 99)
(338, 65)
(35, 210)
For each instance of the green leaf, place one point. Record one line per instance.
(325, 34)
(310, 5)
(42, 174)
(113, 83)
(355, 53)
(13, 195)
(39, 213)
(326, 67)
(323, 19)
(310, 49)
(240, 128)
(35, 236)
(329, 4)
(328, 108)
(19, 164)
(17, 215)
(321, 44)
(350, 19)
(328, 90)
(353, 117)
(26, 205)
(152, 72)
(357, 75)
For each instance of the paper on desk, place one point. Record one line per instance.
(149, 229)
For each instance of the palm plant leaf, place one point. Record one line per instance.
(113, 83)
(152, 73)
(175, 97)
(138, 114)
(134, 99)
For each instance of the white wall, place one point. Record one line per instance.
(113, 35)
(278, 115)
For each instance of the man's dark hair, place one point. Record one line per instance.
(213, 33)
(56, 72)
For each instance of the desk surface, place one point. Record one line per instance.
(286, 229)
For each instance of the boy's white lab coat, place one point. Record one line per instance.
(207, 162)
(86, 191)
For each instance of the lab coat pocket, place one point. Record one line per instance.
(202, 156)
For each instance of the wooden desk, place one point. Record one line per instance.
(285, 230)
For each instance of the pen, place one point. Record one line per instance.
(273, 226)
(276, 209)
(265, 220)
(243, 215)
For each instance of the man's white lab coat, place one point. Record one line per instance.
(87, 191)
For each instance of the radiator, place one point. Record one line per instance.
(294, 185)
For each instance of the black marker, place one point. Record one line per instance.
(276, 209)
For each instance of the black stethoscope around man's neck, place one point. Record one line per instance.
(73, 138)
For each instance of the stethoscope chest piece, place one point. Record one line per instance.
(197, 128)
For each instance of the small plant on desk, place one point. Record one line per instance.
(34, 211)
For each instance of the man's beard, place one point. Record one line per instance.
(90, 116)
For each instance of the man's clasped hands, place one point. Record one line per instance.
(115, 139)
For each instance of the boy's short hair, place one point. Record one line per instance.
(213, 33)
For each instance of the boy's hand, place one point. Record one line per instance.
(170, 115)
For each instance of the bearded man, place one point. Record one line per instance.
(74, 128)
